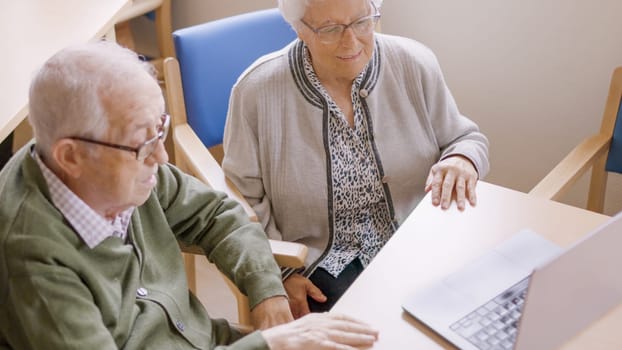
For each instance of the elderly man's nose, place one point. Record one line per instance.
(159, 155)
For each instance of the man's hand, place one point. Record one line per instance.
(455, 174)
(298, 287)
(321, 331)
(271, 312)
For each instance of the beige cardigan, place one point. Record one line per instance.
(276, 145)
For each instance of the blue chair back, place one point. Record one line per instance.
(614, 159)
(214, 54)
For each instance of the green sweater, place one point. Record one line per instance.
(56, 293)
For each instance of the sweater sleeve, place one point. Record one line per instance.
(242, 156)
(238, 247)
(455, 133)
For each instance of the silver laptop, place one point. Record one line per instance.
(526, 293)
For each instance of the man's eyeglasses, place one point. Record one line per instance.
(332, 33)
(143, 151)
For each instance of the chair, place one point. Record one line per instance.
(601, 152)
(161, 10)
(211, 57)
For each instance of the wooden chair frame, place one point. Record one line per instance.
(591, 153)
(163, 25)
(193, 157)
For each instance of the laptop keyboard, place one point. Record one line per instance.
(494, 325)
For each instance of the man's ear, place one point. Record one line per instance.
(68, 157)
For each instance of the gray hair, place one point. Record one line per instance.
(66, 93)
(294, 10)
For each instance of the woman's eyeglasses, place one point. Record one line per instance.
(332, 33)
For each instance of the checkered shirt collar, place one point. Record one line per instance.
(89, 225)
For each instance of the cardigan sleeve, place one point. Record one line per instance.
(455, 133)
(239, 248)
(241, 162)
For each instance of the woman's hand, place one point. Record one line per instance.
(455, 174)
(298, 288)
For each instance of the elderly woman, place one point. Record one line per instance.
(335, 138)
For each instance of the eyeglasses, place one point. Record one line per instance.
(143, 151)
(332, 33)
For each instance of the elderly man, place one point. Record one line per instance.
(90, 214)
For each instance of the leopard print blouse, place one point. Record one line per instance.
(362, 221)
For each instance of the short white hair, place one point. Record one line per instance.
(294, 10)
(65, 96)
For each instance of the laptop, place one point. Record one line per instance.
(526, 293)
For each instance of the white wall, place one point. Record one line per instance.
(190, 12)
(532, 73)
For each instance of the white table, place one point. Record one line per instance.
(432, 243)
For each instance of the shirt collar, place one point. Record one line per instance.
(88, 224)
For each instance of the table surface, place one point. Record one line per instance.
(433, 243)
(32, 31)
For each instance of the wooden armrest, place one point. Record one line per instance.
(570, 169)
(201, 164)
(286, 254)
